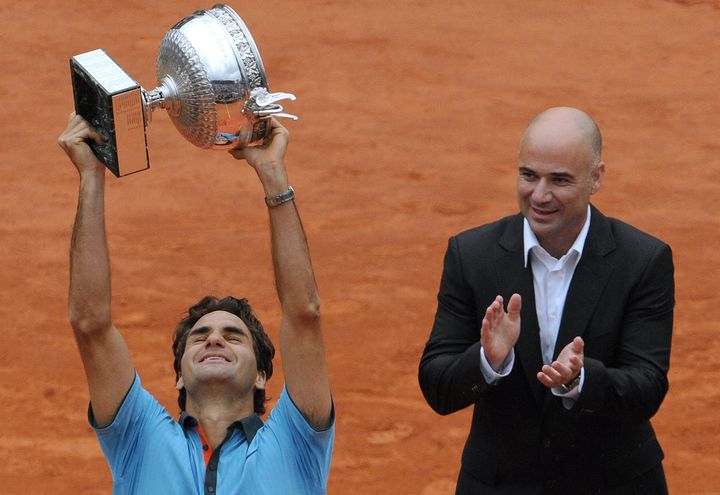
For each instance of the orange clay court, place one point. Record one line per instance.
(411, 113)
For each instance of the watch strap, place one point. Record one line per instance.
(273, 201)
(567, 387)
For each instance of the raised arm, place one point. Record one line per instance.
(301, 342)
(103, 351)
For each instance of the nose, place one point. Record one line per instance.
(215, 338)
(542, 192)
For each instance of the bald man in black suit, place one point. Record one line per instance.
(555, 325)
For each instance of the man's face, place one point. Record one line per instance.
(219, 350)
(556, 179)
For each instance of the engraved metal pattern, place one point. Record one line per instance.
(254, 72)
(197, 118)
(251, 63)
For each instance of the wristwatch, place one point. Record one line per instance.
(273, 201)
(567, 387)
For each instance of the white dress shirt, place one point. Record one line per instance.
(551, 281)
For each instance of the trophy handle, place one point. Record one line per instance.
(262, 104)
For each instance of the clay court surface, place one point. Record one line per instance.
(411, 115)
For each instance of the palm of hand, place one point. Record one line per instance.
(500, 330)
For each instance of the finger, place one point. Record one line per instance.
(76, 121)
(484, 331)
(498, 307)
(93, 134)
(564, 371)
(493, 316)
(276, 126)
(578, 345)
(491, 313)
(489, 316)
(278, 134)
(514, 306)
(552, 375)
(576, 365)
(545, 380)
(82, 129)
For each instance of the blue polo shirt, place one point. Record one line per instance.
(151, 453)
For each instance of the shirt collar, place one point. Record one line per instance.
(530, 239)
(249, 425)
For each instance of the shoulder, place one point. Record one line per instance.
(630, 239)
(137, 408)
(626, 247)
(624, 231)
(287, 435)
(286, 415)
(491, 233)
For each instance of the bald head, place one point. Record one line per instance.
(559, 169)
(561, 126)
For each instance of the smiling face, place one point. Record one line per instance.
(219, 351)
(558, 172)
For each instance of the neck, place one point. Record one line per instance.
(556, 250)
(215, 412)
(558, 245)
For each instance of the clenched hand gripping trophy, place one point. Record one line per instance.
(211, 81)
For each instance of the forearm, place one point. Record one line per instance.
(301, 341)
(628, 393)
(449, 373)
(89, 296)
(450, 376)
(294, 277)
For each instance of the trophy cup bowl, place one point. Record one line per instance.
(211, 82)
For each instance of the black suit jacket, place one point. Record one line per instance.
(522, 439)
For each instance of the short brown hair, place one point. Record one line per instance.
(263, 347)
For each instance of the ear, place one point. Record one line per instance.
(597, 177)
(180, 384)
(260, 380)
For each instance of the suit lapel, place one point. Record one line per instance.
(513, 278)
(588, 281)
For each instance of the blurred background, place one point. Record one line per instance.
(411, 114)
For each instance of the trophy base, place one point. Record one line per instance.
(112, 102)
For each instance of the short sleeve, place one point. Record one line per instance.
(125, 436)
(312, 448)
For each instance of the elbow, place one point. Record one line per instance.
(638, 397)
(306, 314)
(437, 404)
(433, 392)
(651, 407)
(439, 407)
(88, 324)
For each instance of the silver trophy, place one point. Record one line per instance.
(211, 81)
